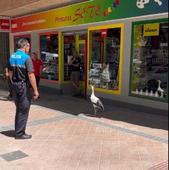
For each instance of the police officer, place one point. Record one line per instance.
(22, 77)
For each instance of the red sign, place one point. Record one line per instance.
(104, 33)
(4, 24)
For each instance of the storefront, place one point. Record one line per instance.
(4, 43)
(149, 64)
(124, 52)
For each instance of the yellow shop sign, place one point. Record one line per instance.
(151, 29)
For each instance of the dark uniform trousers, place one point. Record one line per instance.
(22, 98)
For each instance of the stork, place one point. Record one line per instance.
(97, 104)
(159, 87)
(160, 90)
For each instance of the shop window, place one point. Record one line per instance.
(150, 60)
(105, 58)
(49, 56)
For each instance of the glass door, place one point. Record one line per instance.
(75, 41)
(81, 45)
(69, 47)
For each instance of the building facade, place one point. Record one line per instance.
(123, 48)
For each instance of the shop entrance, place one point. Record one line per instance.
(76, 41)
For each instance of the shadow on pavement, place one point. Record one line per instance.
(9, 133)
(75, 106)
(51, 98)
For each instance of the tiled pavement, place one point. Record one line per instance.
(66, 138)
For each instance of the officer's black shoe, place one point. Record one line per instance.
(24, 136)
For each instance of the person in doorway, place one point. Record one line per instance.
(37, 64)
(75, 72)
(7, 78)
(21, 74)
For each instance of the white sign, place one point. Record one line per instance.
(141, 3)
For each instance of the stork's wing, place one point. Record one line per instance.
(96, 102)
(100, 105)
(94, 99)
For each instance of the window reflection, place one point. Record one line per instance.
(150, 61)
(49, 56)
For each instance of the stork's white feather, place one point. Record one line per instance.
(93, 98)
(97, 104)
(159, 87)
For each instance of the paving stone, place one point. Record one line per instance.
(12, 156)
(64, 140)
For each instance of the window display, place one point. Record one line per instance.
(105, 58)
(49, 56)
(150, 59)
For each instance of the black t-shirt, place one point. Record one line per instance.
(76, 61)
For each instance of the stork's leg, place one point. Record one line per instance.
(95, 110)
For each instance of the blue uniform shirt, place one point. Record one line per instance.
(20, 65)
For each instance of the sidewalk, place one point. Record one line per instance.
(65, 138)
